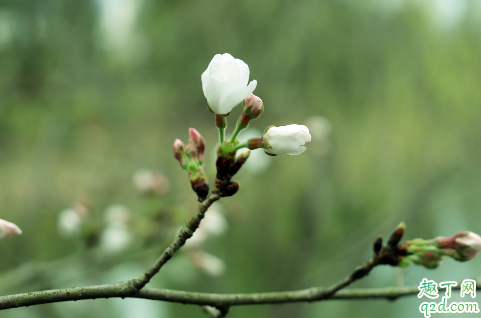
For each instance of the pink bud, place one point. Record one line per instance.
(196, 139)
(7, 229)
(466, 243)
(253, 106)
(179, 151)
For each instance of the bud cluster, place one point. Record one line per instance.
(462, 247)
(225, 83)
(191, 159)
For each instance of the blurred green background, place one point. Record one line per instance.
(92, 91)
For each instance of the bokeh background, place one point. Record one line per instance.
(94, 91)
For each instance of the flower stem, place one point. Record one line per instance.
(242, 145)
(221, 123)
(237, 130)
(221, 134)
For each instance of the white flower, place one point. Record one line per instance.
(115, 238)
(8, 229)
(287, 139)
(469, 244)
(147, 181)
(208, 263)
(225, 83)
(117, 214)
(69, 223)
(214, 221)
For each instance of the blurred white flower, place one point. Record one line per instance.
(224, 83)
(197, 240)
(148, 181)
(287, 139)
(208, 263)
(214, 221)
(117, 214)
(69, 223)
(115, 238)
(7, 229)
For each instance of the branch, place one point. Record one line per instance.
(185, 233)
(206, 299)
(383, 254)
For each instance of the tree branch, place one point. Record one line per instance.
(207, 299)
(185, 233)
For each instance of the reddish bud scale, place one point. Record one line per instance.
(201, 188)
(223, 164)
(397, 235)
(377, 245)
(238, 163)
(230, 189)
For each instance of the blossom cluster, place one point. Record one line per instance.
(462, 246)
(225, 84)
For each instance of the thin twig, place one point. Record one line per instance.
(185, 233)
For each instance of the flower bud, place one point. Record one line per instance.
(191, 151)
(238, 163)
(377, 245)
(397, 235)
(196, 139)
(199, 183)
(467, 244)
(286, 139)
(179, 153)
(223, 164)
(230, 189)
(253, 106)
(8, 229)
(428, 259)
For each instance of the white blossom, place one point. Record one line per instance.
(115, 238)
(117, 214)
(147, 181)
(69, 223)
(288, 139)
(208, 263)
(214, 221)
(7, 229)
(225, 83)
(468, 245)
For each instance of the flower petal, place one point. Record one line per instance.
(298, 151)
(244, 72)
(237, 96)
(231, 73)
(212, 93)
